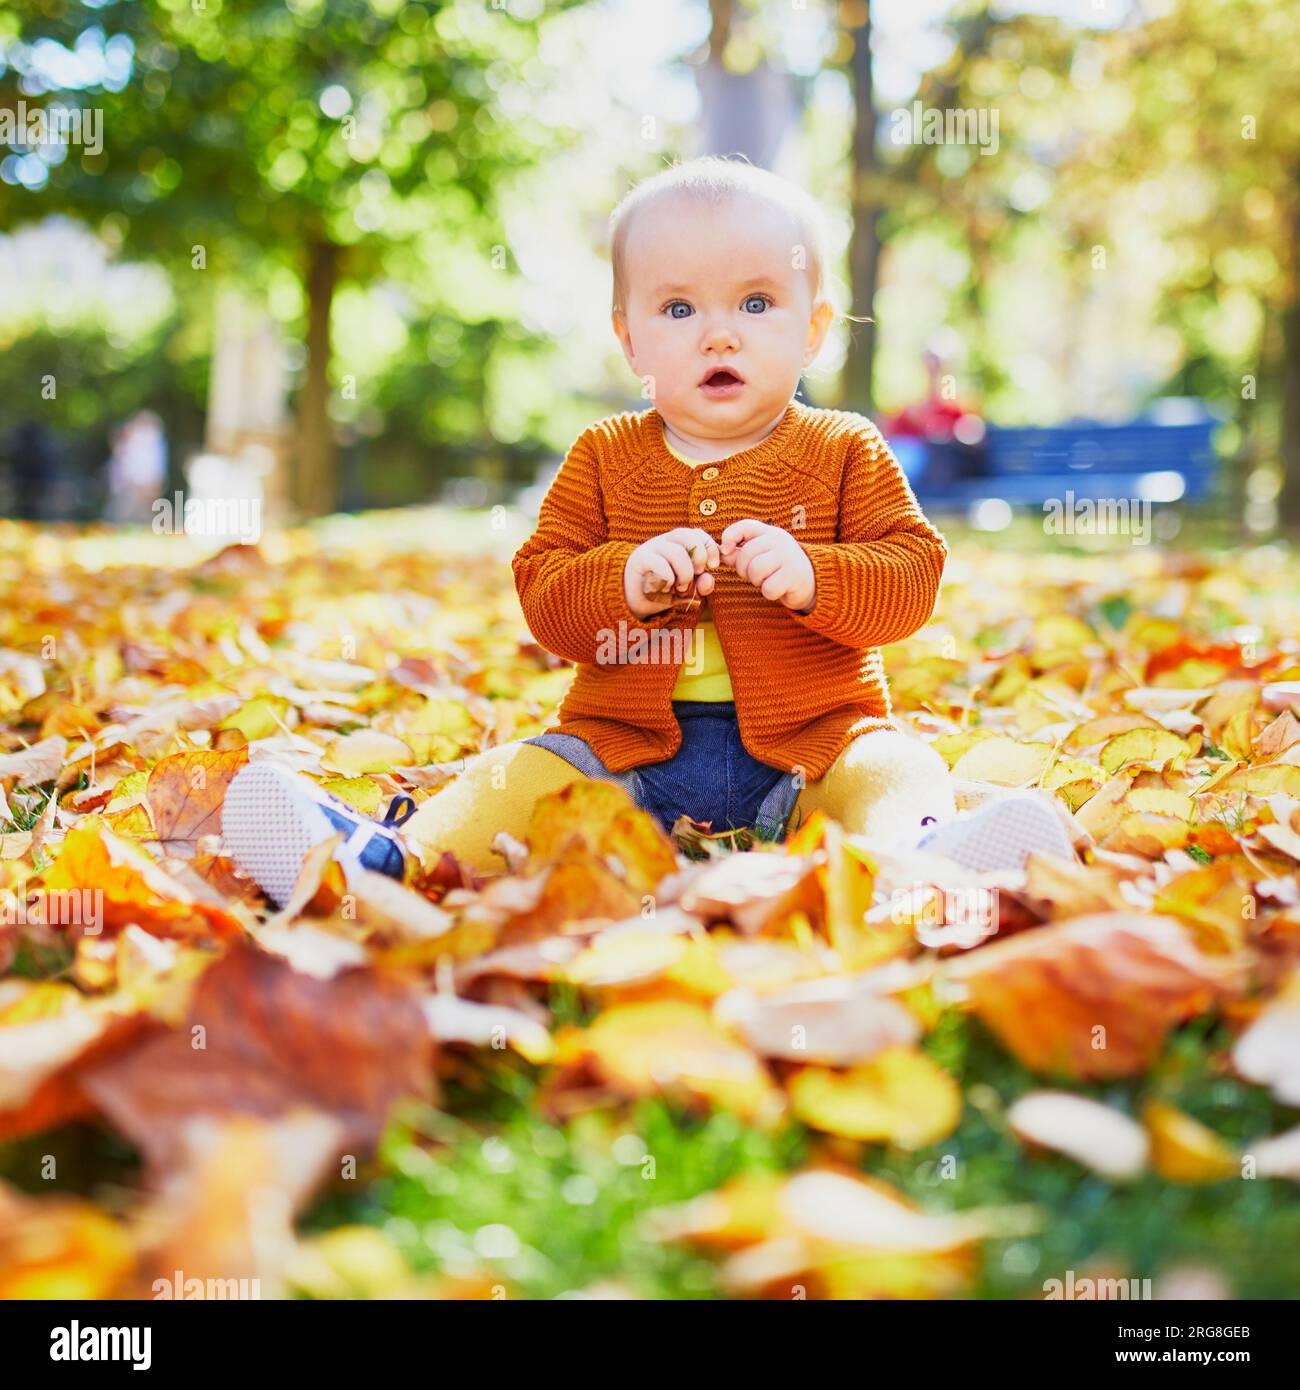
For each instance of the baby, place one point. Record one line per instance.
(723, 570)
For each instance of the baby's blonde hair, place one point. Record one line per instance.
(714, 179)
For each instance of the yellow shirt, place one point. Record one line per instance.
(704, 675)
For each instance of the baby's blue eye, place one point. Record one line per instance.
(679, 304)
(759, 300)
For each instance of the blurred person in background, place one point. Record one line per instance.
(137, 469)
(937, 438)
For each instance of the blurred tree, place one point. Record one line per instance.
(865, 200)
(1216, 119)
(1166, 150)
(321, 136)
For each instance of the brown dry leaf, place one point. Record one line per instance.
(1072, 890)
(185, 793)
(367, 750)
(1147, 833)
(1004, 762)
(1156, 748)
(1093, 997)
(1094, 732)
(1264, 779)
(28, 767)
(576, 893)
(754, 889)
(95, 860)
(601, 816)
(455, 1020)
(1105, 808)
(1278, 736)
(224, 1218)
(42, 1061)
(833, 1021)
(830, 1234)
(846, 874)
(391, 912)
(625, 958)
(262, 1038)
(1213, 903)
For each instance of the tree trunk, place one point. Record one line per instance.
(721, 14)
(864, 246)
(315, 474)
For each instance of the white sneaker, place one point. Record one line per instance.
(1000, 835)
(273, 817)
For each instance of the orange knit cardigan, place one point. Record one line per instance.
(804, 684)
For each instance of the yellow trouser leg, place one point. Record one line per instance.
(497, 791)
(883, 786)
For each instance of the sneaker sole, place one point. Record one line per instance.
(269, 824)
(1002, 835)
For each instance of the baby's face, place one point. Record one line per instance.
(710, 288)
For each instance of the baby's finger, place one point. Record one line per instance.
(762, 566)
(679, 558)
(744, 558)
(657, 578)
(776, 585)
(705, 584)
(701, 545)
(741, 531)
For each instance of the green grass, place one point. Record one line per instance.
(489, 1183)
(569, 1201)
(567, 1204)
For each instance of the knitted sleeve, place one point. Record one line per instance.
(568, 574)
(878, 583)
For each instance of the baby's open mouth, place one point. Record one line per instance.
(722, 376)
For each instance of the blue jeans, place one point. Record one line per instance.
(712, 776)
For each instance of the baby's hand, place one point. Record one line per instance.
(771, 560)
(668, 567)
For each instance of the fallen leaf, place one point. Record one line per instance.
(1095, 1135)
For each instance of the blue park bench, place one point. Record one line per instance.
(1164, 455)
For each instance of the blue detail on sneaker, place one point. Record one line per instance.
(273, 817)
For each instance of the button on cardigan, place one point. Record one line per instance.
(805, 684)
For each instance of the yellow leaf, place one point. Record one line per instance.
(1004, 762)
(367, 750)
(1067, 770)
(1155, 747)
(264, 716)
(900, 1096)
(1268, 779)
(38, 999)
(950, 747)
(1184, 1150)
(363, 794)
(625, 958)
(672, 1045)
(1160, 801)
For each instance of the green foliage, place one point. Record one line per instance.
(575, 1196)
(570, 1202)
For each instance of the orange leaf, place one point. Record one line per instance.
(1093, 997)
(185, 792)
